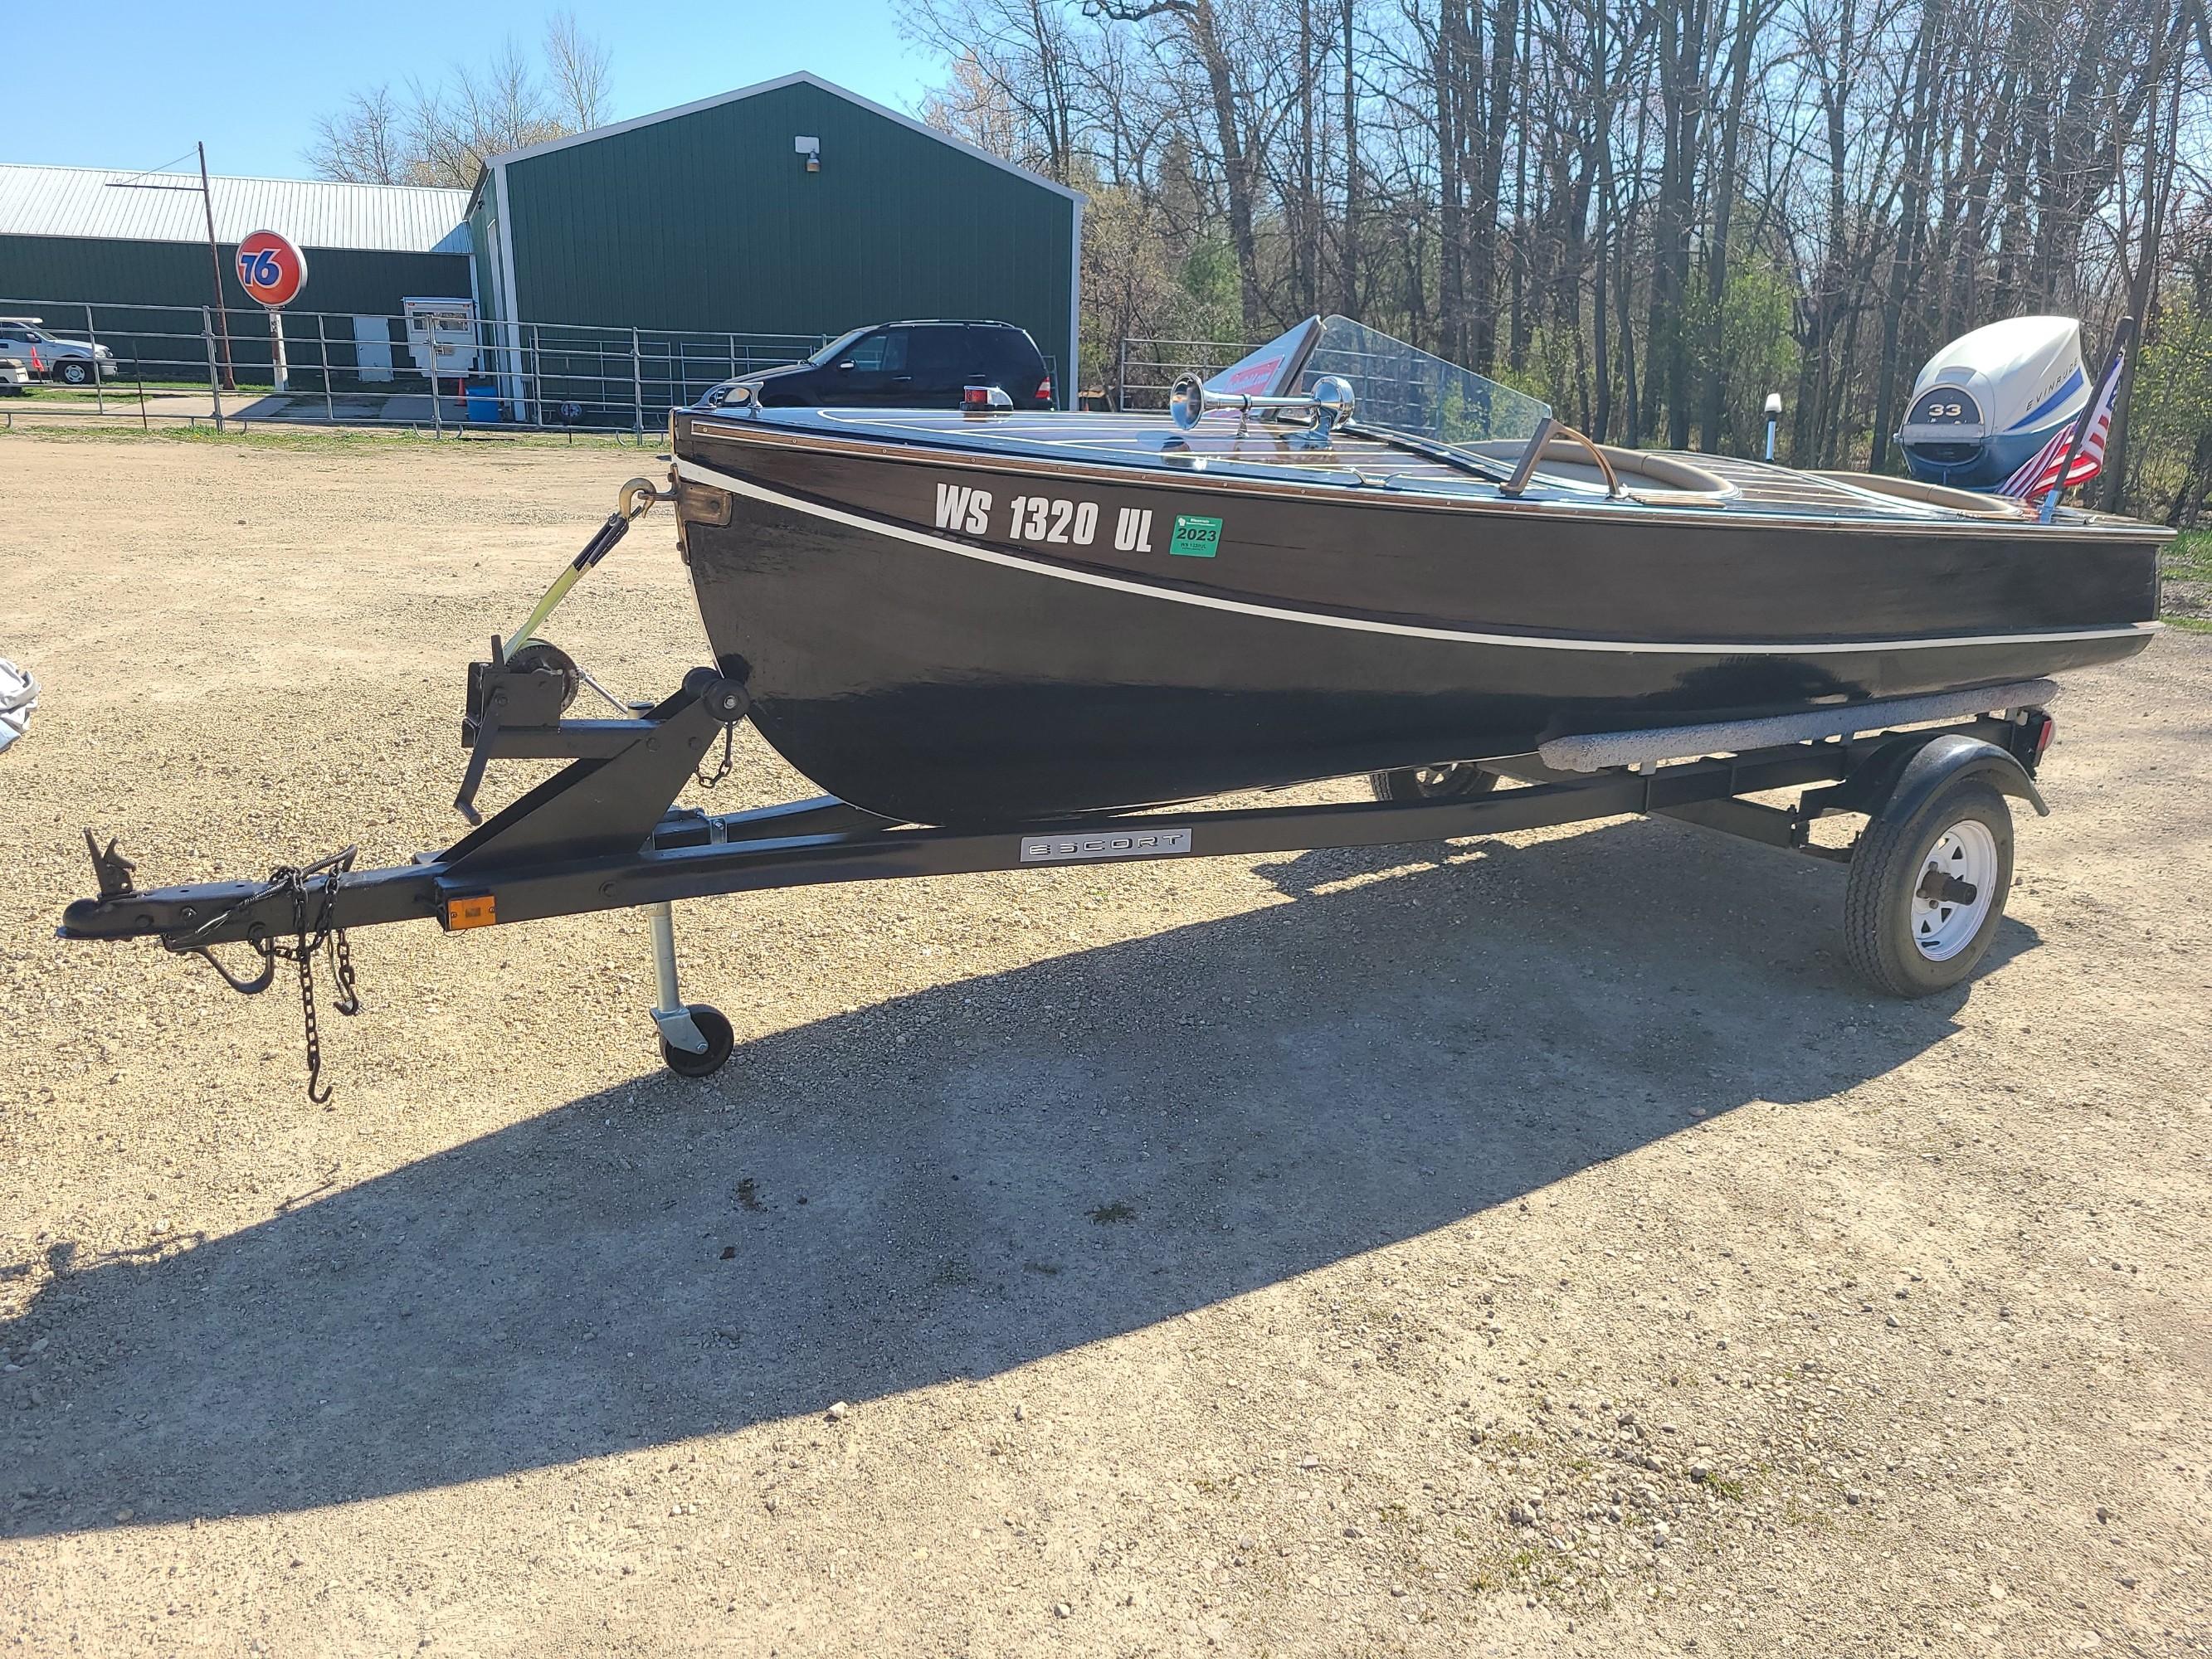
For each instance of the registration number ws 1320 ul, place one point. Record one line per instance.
(1051, 521)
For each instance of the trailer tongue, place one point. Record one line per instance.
(1927, 882)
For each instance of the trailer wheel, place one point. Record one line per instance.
(721, 1039)
(1451, 780)
(1927, 891)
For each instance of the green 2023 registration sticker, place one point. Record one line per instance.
(1195, 537)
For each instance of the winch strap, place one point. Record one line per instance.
(634, 502)
(602, 542)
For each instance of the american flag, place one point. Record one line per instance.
(2040, 475)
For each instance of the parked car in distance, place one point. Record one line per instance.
(73, 362)
(23, 353)
(911, 365)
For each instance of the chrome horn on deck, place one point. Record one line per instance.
(1331, 400)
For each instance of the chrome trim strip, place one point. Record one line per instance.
(702, 474)
(1153, 476)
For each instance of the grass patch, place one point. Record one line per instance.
(1534, 1569)
(2188, 556)
(1796, 1515)
(2184, 568)
(128, 390)
(317, 439)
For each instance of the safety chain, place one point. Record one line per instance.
(322, 938)
(729, 744)
(302, 953)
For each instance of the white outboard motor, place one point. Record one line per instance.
(1988, 400)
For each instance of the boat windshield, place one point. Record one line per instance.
(1408, 390)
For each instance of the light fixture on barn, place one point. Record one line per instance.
(811, 150)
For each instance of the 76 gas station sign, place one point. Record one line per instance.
(271, 268)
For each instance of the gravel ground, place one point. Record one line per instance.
(2187, 569)
(1537, 1245)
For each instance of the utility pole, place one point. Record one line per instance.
(215, 255)
(215, 264)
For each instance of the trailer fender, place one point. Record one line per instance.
(1901, 776)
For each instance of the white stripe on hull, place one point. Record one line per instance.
(702, 474)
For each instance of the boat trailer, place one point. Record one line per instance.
(1927, 879)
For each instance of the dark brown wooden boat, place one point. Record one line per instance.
(952, 618)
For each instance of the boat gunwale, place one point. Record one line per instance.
(904, 452)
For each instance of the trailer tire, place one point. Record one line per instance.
(1903, 933)
(721, 1039)
(1451, 780)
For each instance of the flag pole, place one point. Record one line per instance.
(2123, 338)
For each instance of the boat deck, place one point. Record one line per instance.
(1353, 457)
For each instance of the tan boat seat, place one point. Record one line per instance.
(1661, 480)
(1928, 495)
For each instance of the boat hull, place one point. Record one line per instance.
(945, 676)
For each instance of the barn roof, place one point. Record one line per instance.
(802, 77)
(164, 207)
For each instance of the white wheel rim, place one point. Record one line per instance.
(1944, 923)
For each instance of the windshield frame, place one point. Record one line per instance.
(838, 347)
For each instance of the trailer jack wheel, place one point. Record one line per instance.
(710, 1024)
(694, 1038)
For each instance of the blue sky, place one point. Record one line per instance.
(167, 75)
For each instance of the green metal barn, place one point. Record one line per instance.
(617, 271)
(124, 256)
(790, 208)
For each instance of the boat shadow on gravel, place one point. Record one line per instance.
(958, 1182)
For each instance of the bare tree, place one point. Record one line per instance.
(364, 143)
(1015, 76)
(1196, 31)
(577, 65)
(1649, 211)
(441, 132)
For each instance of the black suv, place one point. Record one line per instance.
(923, 365)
